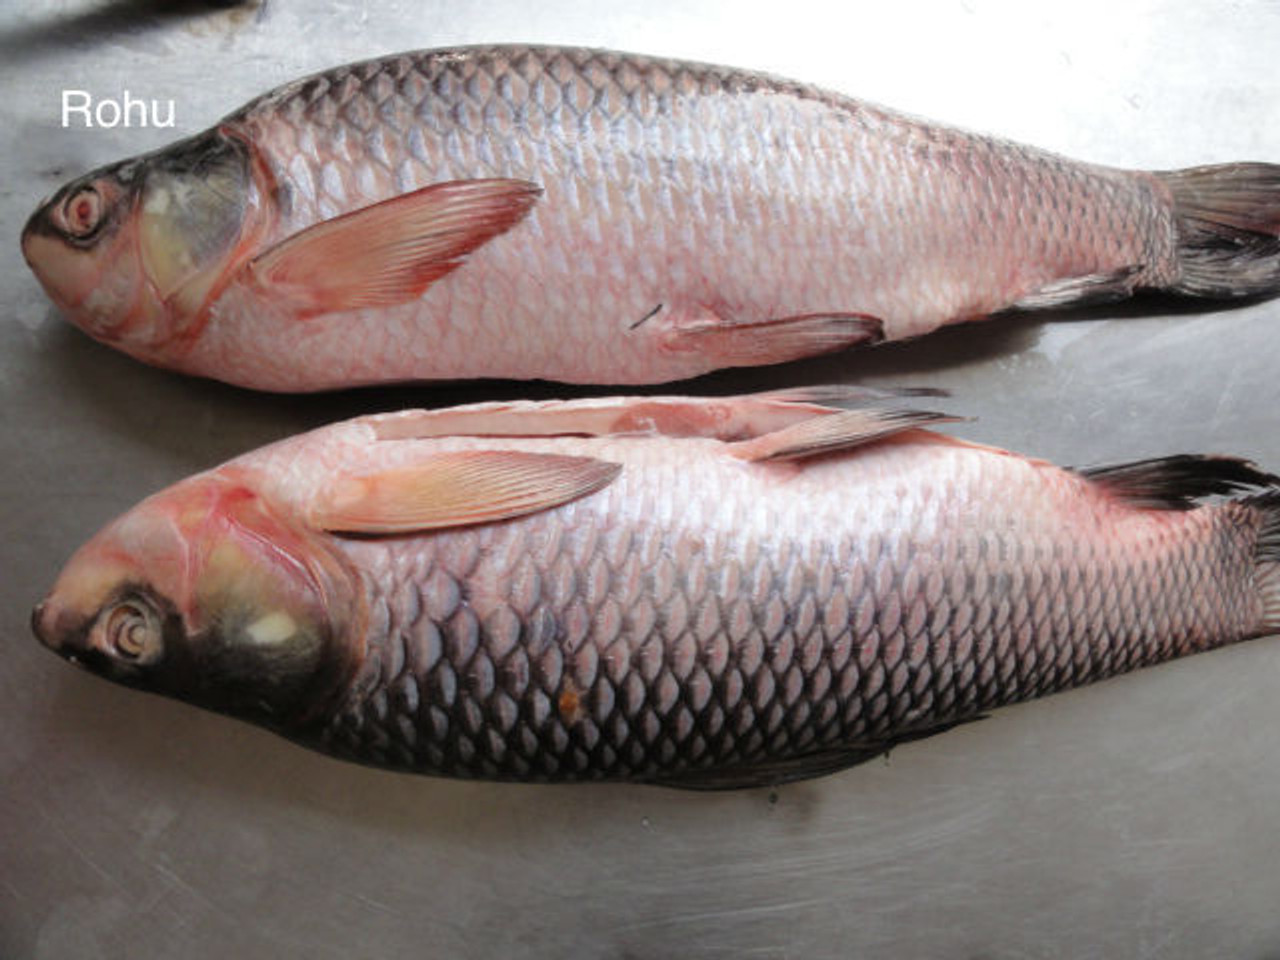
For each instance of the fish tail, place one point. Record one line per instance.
(1228, 221)
(1250, 496)
(1267, 559)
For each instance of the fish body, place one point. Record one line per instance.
(594, 217)
(703, 593)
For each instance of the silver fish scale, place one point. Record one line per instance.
(424, 117)
(558, 648)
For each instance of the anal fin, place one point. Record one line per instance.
(775, 340)
(806, 766)
(773, 773)
(1081, 291)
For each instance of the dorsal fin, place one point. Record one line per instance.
(1178, 482)
(723, 418)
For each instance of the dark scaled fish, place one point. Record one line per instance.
(702, 593)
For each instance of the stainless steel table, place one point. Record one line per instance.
(1135, 818)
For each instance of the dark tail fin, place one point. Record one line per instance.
(1228, 229)
(1183, 482)
(1267, 555)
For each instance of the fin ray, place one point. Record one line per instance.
(391, 252)
(457, 489)
(775, 340)
(774, 425)
(724, 418)
(838, 431)
(1228, 219)
(1178, 482)
(818, 763)
(1080, 291)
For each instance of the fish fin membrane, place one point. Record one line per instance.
(1267, 557)
(1082, 291)
(723, 418)
(835, 432)
(807, 766)
(1179, 482)
(1228, 219)
(753, 343)
(457, 489)
(390, 252)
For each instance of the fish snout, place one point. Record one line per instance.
(48, 623)
(36, 228)
(36, 615)
(60, 271)
(32, 226)
(42, 625)
(40, 231)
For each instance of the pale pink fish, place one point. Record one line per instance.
(596, 217)
(705, 593)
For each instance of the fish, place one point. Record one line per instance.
(593, 217)
(708, 593)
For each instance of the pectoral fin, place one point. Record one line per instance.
(392, 251)
(457, 489)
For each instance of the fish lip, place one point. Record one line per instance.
(67, 648)
(43, 623)
(40, 629)
(36, 612)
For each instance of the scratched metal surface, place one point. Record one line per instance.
(1135, 818)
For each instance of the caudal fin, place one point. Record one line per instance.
(1267, 557)
(1228, 229)
(1185, 482)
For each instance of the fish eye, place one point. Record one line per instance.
(81, 213)
(130, 629)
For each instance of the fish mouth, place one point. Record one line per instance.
(37, 621)
(44, 624)
(71, 645)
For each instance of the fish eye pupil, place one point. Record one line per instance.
(82, 212)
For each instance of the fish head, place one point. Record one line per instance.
(132, 252)
(209, 593)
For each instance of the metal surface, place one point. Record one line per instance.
(1132, 818)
